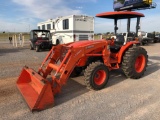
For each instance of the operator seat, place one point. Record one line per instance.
(119, 41)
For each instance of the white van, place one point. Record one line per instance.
(69, 28)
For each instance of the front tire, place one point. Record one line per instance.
(96, 76)
(31, 46)
(37, 48)
(135, 62)
(155, 41)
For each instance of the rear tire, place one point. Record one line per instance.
(96, 76)
(135, 62)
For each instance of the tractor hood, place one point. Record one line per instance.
(85, 43)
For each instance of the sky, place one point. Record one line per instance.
(23, 15)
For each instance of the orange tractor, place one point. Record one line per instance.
(96, 58)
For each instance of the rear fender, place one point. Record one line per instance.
(124, 48)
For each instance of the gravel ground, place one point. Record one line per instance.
(121, 99)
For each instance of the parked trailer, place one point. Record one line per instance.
(69, 28)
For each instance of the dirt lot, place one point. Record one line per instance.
(121, 99)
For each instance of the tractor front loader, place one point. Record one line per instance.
(96, 58)
(38, 91)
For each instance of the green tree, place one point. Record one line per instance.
(121, 1)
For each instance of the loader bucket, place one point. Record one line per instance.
(36, 91)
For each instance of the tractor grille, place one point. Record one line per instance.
(83, 37)
(45, 43)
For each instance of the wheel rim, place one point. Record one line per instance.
(140, 63)
(100, 77)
